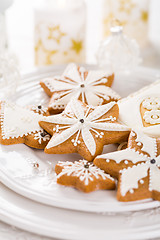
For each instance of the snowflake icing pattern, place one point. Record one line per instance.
(84, 170)
(75, 120)
(39, 109)
(41, 136)
(73, 84)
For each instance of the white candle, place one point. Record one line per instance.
(60, 32)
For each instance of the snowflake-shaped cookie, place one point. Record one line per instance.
(21, 125)
(83, 176)
(90, 87)
(84, 129)
(138, 165)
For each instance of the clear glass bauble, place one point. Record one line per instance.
(118, 52)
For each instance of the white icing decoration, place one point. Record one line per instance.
(129, 154)
(73, 84)
(39, 136)
(131, 191)
(129, 109)
(152, 117)
(151, 103)
(141, 181)
(149, 144)
(84, 174)
(139, 144)
(71, 123)
(39, 109)
(155, 178)
(132, 175)
(18, 121)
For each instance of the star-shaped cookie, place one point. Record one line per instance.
(84, 129)
(138, 168)
(141, 110)
(91, 87)
(21, 125)
(83, 175)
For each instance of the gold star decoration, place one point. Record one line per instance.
(77, 46)
(39, 46)
(55, 33)
(144, 16)
(126, 6)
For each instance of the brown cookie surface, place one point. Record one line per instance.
(90, 87)
(137, 168)
(21, 125)
(84, 129)
(84, 176)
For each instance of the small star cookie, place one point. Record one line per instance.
(21, 125)
(138, 167)
(91, 87)
(84, 129)
(84, 176)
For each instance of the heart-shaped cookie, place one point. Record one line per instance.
(150, 111)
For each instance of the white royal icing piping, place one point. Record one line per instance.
(93, 91)
(42, 110)
(152, 117)
(131, 176)
(149, 144)
(130, 182)
(127, 154)
(17, 121)
(151, 103)
(84, 174)
(38, 136)
(72, 124)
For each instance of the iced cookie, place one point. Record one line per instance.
(84, 176)
(20, 125)
(39, 109)
(141, 110)
(91, 87)
(138, 167)
(84, 129)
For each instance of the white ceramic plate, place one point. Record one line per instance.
(72, 225)
(16, 161)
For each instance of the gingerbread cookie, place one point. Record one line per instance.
(84, 129)
(84, 176)
(40, 109)
(141, 110)
(91, 87)
(20, 125)
(138, 167)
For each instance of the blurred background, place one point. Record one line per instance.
(44, 32)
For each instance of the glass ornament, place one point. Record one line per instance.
(118, 52)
